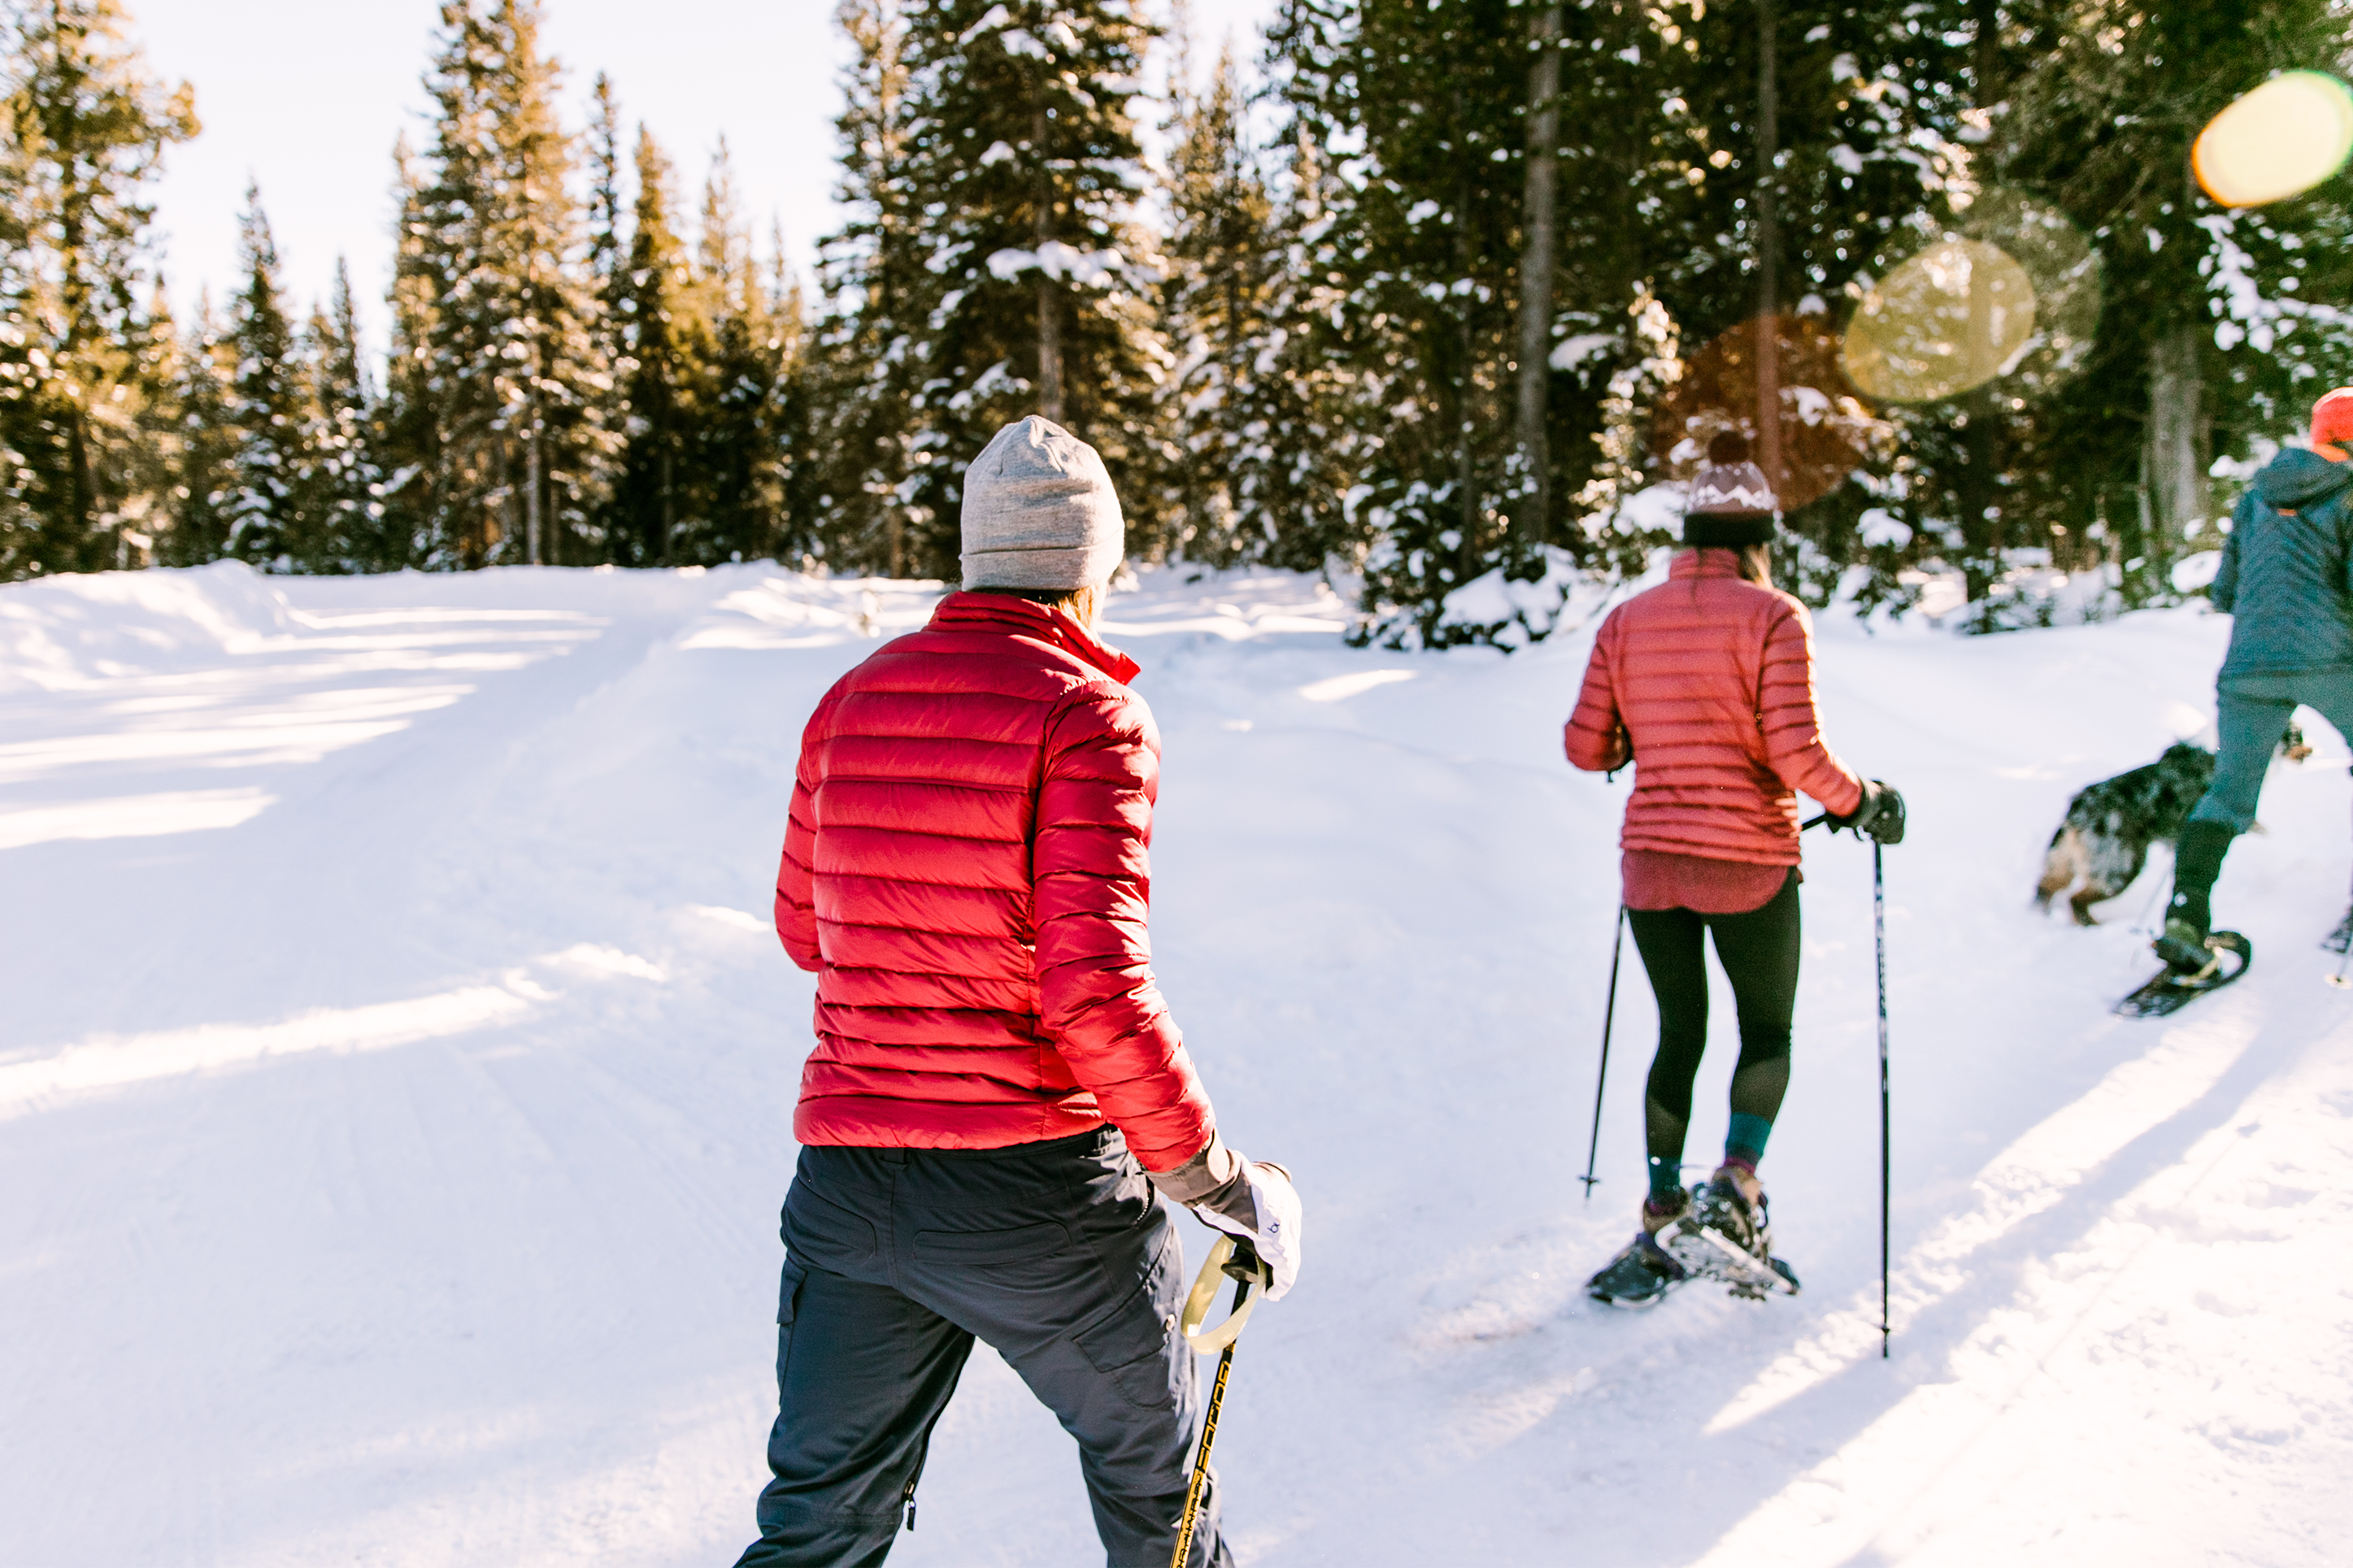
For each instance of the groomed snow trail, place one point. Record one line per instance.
(396, 1075)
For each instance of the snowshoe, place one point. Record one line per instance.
(1728, 1236)
(2170, 990)
(2341, 938)
(1639, 1276)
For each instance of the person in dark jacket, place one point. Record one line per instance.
(999, 1100)
(2286, 581)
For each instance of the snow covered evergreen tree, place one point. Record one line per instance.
(406, 429)
(341, 482)
(83, 128)
(204, 448)
(268, 415)
(2220, 326)
(1221, 256)
(1037, 295)
(739, 461)
(504, 364)
(863, 368)
(664, 333)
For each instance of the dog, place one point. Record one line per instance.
(2104, 840)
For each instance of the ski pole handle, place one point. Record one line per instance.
(1229, 1258)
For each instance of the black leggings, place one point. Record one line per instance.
(1758, 951)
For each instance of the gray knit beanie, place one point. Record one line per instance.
(1038, 511)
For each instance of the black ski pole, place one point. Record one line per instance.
(1608, 1016)
(1879, 936)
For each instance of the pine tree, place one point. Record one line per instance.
(406, 429)
(269, 414)
(1036, 296)
(85, 130)
(1429, 262)
(340, 483)
(738, 460)
(2217, 327)
(204, 448)
(507, 359)
(863, 369)
(1221, 256)
(666, 351)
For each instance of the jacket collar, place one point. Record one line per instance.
(1703, 564)
(1021, 618)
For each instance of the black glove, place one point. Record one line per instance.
(1879, 814)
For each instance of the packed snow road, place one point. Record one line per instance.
(396, 1075)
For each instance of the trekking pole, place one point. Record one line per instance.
(1608, 1016)
(1234, 1259)
(1879, 936)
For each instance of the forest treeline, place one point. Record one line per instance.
(1422, 292)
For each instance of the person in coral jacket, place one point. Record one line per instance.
(1705, 684)
(999, 1098)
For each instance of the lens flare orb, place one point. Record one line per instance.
(2064, 269)
(1952, 318)
(2277, 142)
(1819, 432)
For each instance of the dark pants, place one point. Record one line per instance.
(2251, 711)
(1060, 1254)
(1760, 954)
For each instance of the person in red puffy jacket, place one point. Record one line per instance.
(1705, 684)
(998, 1097)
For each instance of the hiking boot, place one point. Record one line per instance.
(2184, 948)
(1639, 1276)
(1732, 1205)
(1656, 1216)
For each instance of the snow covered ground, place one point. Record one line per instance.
(396, 1069)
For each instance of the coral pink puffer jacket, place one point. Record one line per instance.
(967, 871)
(1711, 679)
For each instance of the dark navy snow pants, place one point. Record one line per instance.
(1060, 1256)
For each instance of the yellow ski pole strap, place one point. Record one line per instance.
(1205, 1294)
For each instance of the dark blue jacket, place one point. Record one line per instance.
(2286, 576)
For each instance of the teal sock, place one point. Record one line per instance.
(1666, 1178)
(1746, 1143)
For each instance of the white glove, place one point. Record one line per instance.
(1275, 1204)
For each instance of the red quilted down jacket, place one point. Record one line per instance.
(967, 871)
(1712, 679)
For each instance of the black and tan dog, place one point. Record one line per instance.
(2104, 841)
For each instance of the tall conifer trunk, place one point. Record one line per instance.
(1536, 268)
(1769, 250)
(532, 477)
(2175, 441)
(1984, 532)
(1049, 314)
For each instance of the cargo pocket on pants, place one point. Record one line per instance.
(787, 1300)
(1136, 1345)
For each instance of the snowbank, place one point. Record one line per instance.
(65, 632)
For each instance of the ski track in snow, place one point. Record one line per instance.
(397, 1079)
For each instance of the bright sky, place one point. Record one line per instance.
(307, 98)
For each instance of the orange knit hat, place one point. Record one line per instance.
(2332, 423)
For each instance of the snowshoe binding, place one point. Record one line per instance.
(2189, 973)
(1728, 1236)
(1639, 1276)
